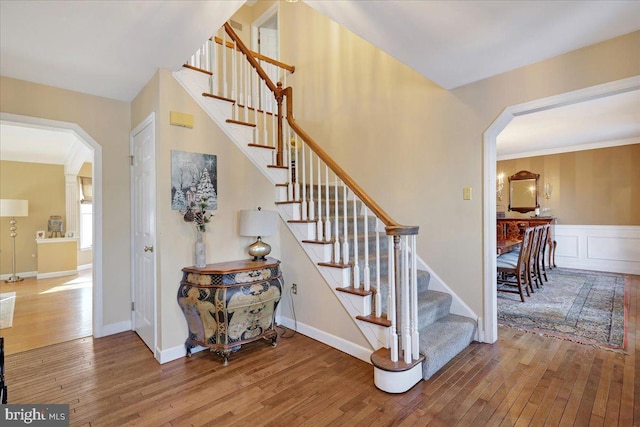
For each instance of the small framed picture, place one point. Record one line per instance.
(40, 234)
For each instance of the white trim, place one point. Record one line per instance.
(57, 240)
(598, 247)
(56, 274)
(86, 139)
(85, 267)
(148, 121)
(397, 382)
(571, 148)
(22, 275)
(490, 326)
(177, 352)
(116, 328)
(338, 343)
(273, 10)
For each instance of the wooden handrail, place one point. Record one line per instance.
(287, 67)
(391, 227)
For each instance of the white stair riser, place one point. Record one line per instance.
(360, 305)
(303, 231)
(336, 277)
(318, 252)
(397, 382)
(289, 211)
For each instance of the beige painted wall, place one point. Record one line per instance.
(55, 256)
(413, 145)
(108, 122)
(240, 186)
(43, 186)
(592, 187)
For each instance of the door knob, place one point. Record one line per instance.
(148, 248)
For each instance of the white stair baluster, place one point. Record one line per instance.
(378, 284)
(336, 220)
(319, 224)
(391, 304)
(345, 222)
(365, 269)
(327, 220)
(302, 180)
(356, 266)
(312, 205)
(415, 337)
(234, 80)
(296, 169)
(225, 87)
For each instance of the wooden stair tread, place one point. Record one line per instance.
(382, 321)
(278, 167)
(201, 70)
(221, 98)
(317, 242)
(262, 146)
(355, 291)
(381, 359)
(300, 221)
(259, 111)
(238, 122)
(333, 264)
(288, 202)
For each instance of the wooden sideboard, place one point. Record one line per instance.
(513, 229)
(231, 303)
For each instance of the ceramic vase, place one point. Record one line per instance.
(200, 250)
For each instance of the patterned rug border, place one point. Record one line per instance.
(579, 340)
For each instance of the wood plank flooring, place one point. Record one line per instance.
(523, 379)
(49, 311)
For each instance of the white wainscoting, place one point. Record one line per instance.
(599, 247)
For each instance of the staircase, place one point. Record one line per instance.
(368, 260)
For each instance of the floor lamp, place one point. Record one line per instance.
(13, 208)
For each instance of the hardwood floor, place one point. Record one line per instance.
(49, 311)
(523, 379)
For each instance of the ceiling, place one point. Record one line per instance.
(112, 48)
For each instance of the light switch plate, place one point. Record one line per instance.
(466, 193)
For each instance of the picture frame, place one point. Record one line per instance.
(193, 176)
(40, 234)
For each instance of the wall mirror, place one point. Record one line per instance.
(523, 191)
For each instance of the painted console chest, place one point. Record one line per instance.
(231, 303)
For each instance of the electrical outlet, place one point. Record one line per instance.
(294, 289)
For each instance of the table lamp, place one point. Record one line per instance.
(13, 208)
(258, 223)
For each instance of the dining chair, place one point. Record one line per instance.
(516, 267)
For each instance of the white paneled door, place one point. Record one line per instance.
(143, 220)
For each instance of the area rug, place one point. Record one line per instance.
(7, 302)
(587, 307)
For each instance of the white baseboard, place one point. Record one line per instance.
(56, 274)
(338, 343)
(24, 275)
(115, 328)
(85, 267)
(598, 247)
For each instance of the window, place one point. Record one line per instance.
(86, 225)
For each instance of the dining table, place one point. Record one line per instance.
(504, 246)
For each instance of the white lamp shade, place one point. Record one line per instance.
(258, 223)
(14, 207)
